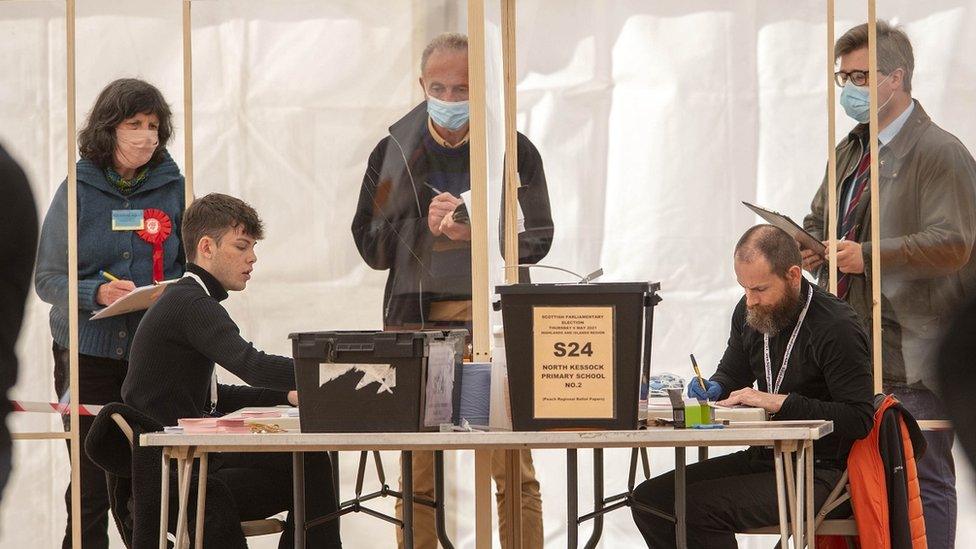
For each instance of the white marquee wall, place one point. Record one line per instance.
(654, 121)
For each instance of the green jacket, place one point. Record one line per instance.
(928, 228)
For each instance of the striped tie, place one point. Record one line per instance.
(848, 226)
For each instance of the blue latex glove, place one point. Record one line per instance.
(712, 392)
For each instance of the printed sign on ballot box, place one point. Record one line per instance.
(573, 365)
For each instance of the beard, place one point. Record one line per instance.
(771, 319)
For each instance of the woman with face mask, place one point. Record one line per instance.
(130, 198)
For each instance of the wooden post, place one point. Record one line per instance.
(187, 104)
(477, 100)
(513, 458)
(72, 146)
(477, 97)
(512, 182)
(482, 498)
(832, 221)
(875, 196)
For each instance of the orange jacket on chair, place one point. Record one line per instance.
(884, 486)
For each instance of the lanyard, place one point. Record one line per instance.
(213, 380)
(774, 389)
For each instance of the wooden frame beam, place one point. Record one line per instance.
(477, 101)
(832, 206)
(511, 141)
(187, 104)
(875, 276)
(72, 146)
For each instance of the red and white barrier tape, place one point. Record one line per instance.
(54, 407)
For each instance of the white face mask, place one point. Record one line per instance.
(134, 148)
(856, 102)
(450, 115)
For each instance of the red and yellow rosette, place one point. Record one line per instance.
(158, 227)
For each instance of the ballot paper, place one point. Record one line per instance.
(777, 219)
(738, 413)
(439, 398)
(661, 407)
(137, 300)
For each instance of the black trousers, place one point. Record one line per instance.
(99, 382)
(725, 495)
(261, 486)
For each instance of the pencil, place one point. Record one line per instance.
(701, 380)
(109, 276)
(433, 188)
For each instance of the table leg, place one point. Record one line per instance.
(781, 496)
(164, 502)
(645, 463)
(406, 468)
(201, 502)
(788, 456)
(298, 492)
(702, 453)
(680, 487)
(513, 481)
(811, 539)
(482, 498)
(800, 516)
(572, 499)
(597, 498)
(334, 462)
(439, 500)
(184, 463)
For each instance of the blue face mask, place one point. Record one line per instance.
(448, 115)
(856, 101)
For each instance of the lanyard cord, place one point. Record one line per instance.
(774, 389)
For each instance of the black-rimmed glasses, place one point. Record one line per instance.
(858, 78)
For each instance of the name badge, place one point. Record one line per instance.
(128, 220)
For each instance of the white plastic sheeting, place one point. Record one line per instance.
(654, 119)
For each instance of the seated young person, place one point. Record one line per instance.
(181, 337)
(809, 356)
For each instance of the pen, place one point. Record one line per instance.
(701, 380)
(109, 276)
(433, 188)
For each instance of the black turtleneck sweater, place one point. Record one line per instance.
(174, 349)
(829, 374)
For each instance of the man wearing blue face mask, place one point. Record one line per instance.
(927, 182)
(410, 220)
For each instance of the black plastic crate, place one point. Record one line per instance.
(337, 406)
(569, 363)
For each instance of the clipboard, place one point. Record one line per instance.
(137, 300)
(779, 220)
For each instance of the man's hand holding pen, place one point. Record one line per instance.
(440, 218)
(441, 208)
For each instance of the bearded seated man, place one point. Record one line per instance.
(810, 357)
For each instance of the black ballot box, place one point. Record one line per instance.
(576, 353)
(372, 381)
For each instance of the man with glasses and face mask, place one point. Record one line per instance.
(808, 355)
(927, 181)
(411, 221)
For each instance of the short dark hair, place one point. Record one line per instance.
(894, 48)
(122, 99)
(212, 215)
(772, 243)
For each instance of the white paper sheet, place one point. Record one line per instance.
(439, 401)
